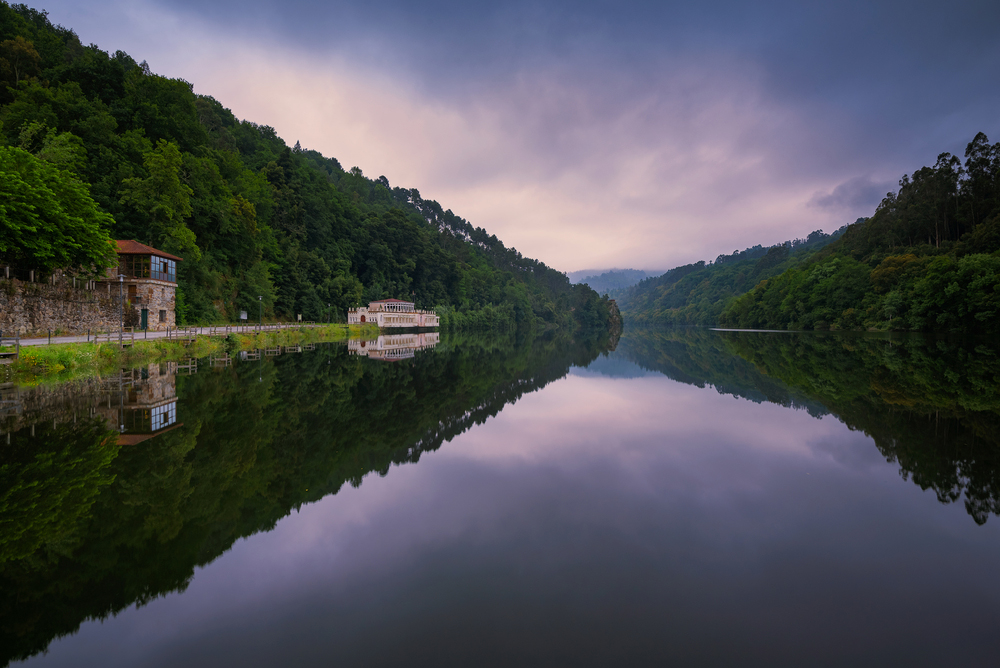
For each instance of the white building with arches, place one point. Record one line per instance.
(390, 313)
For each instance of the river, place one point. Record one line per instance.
(683, 497)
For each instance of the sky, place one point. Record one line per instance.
(592, 134)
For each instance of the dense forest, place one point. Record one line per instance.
(96, 146)
(696, 294)
(927, 260)
(90, 527)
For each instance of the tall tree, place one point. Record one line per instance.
(47, 218)
(18, 59)
(163, 199)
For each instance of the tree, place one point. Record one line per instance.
(18, 59)
(982, 165)
(163, 200)
(47, 217)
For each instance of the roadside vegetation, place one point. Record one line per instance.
(68, 361)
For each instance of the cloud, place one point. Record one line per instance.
(857, 194)
(589, 134)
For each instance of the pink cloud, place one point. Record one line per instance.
(579, 171)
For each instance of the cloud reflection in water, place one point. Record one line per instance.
(598, 520)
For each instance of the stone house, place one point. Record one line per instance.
(148, 285)
(64, 303)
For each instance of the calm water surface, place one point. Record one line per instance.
(691, 498)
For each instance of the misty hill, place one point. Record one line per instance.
(615, 280)
(927, 260)
(143, 157)
(696, 294)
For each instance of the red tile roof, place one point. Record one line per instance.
(128, 247)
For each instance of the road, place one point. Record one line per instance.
(139, 336)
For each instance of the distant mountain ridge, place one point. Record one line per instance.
(614, 281)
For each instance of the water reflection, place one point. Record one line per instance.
(931, 405)
(393, 347)
(685, 498)
(137, 403)
(97, 514)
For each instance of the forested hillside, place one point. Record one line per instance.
(250, 215)
(696, 294)
(927, 260)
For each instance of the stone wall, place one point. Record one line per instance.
(155, 296)
(32, 309)
(35, 308)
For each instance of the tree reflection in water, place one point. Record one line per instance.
(932, 405)
(92, 524)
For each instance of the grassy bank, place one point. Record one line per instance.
(292, 337)
(66, 361)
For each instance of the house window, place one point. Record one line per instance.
(163, 416)
(133, 266)
(163, 269)
(163, 315)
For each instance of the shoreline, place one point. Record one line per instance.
(62, 361)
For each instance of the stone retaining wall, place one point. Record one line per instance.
(35, 308)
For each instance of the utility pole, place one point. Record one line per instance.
(328, 315)
(121, 307)
(260, 322)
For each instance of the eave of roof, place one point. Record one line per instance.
(136, 439)
(129, 247)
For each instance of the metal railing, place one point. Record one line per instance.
(10, 341)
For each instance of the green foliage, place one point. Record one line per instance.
(696, 294)
(814, 296)
(488, 318)
(163, 200)
(47, 218)
(60, 362)
(250, 216)
(928, 260)
(18, 60)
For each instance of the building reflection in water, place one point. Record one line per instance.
(137, 403)
(147, 402)
(393, 347)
